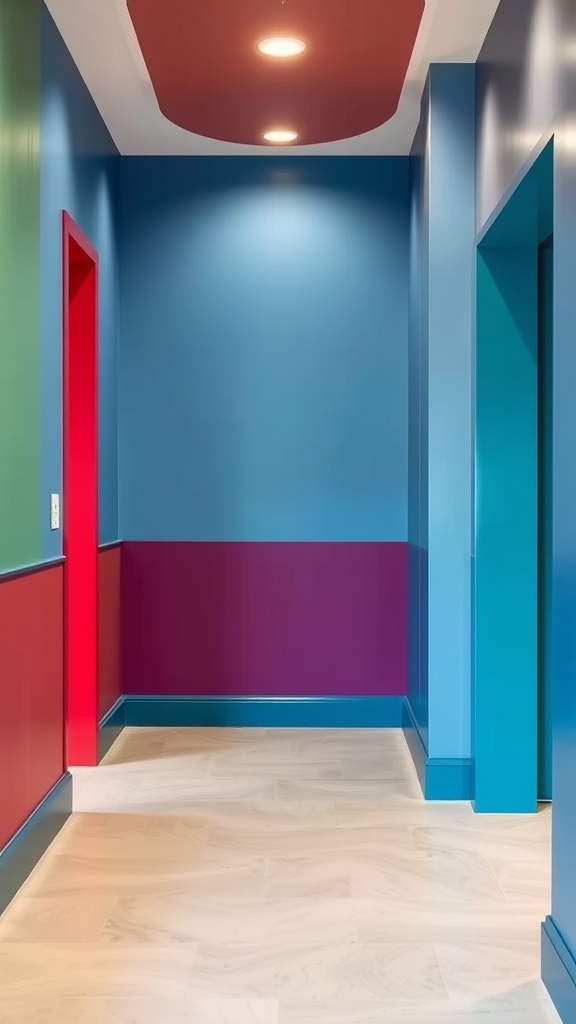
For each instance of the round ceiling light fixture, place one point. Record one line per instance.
(281, 46)
(280, 136)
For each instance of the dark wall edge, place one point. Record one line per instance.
(110, 727)
(20, 856)
(558, 971)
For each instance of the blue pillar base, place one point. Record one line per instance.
(440, 778)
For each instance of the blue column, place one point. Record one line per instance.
(452, 214)
(441, 486)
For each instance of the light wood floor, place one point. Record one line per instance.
(276, 877)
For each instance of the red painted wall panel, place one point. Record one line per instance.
(109, 675)
(31, 693)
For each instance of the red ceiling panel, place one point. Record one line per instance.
(210, 79)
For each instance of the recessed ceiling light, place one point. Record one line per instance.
(280, 135)
(281, 46)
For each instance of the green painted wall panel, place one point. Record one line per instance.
(19, 282)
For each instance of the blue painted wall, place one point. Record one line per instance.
(443, 175)
(526, 87)
(263, 368)
(418, 425)
(79, 173)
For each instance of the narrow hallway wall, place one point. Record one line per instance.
(263, 412)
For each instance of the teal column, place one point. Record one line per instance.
(506, 598)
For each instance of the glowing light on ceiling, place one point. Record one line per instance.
(281, 46)
(280, 136)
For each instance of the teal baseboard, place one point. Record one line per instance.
(559, 971)
(439, 778)
(254, 712)
(110, 728)
(23, 852)
(266, 712)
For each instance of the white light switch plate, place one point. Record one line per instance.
(54, 511)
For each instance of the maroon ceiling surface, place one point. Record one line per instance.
(210, 78)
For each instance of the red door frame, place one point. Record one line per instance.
(80, 504)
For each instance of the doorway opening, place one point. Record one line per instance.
(80, 497)
(512, 724)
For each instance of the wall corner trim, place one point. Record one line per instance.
(558, 970)
(8, 575)
(25, 849)
(109, 545)
(265, 712)
(440, 778)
